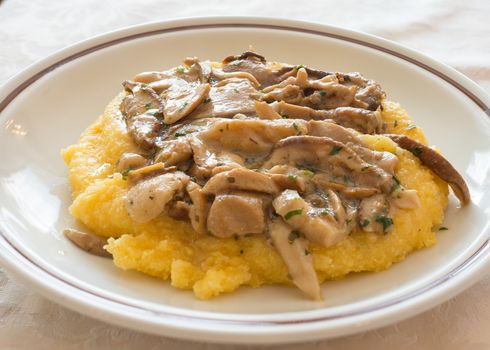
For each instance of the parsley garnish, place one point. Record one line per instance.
(323, 93)
(295, 126)
(292, 177)
(307, 252)
(396, 184)
(285, 116)
(148, 105)
(236, 90)
(180, 70)
(308, 173)
(179, 134)
(207, 100)
(299, 66)
(385, 221)
(183, 106)
(292, 213)
(125, 173)
(417, 150)
(335, 150)
(410, 127)
(365, 222)
(443, 228)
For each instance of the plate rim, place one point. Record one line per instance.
(233, 330)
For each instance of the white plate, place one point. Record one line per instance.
(45, 108)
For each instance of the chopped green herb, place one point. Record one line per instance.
(292, 177)
(183, 106)
(346, 179)
(335, 150)
(292, 236)
(385, 221)
(396, 184)
(417, 150)
(364, 168)
(295, 126)
(349, 157)
(285, 116)
(207, 100)
(443, 228)
(230, 179)
(180, 70)
(299, 66)
(148, 105)
(125, 173)
(292, 213)
(179, 134)
(410, 127)
(307, 252)
(239, 63)
(323, 93)
(236, 90)
(308, 173)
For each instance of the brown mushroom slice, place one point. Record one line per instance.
(129, 161)
(328, 154)
(89, 242)
(374, 214)
(385, 160)
(140, 100)
(220, 74)
(254, 64)
(265, 111)
(144, 129)
(325, 227)
(437, 163)
(297, 258)
(240, 179)
(251, 136)
(199, 208)
(236, 214)
(147, 199)
(324, 181)
(148, 171)
(182, 99)
(227, 98)
(291, 181)
(174, 152)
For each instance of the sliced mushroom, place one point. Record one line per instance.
(88, 241)
(147, 199)
(144, 129)
(374, 214)
(148, 171)
(140, 100)
(240, 179)
(181, 99)
(264, 111)
(438, 164)
(174, 152)
(129, 161)
(198, 211)
(227, 98)
(324, 226)
(297, 258)
(236, 214)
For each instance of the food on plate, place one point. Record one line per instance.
(216, 175)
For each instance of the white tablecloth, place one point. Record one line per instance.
(453, 31)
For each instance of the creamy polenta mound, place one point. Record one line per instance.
(172, 250)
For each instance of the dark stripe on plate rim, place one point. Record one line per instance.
(463, 266)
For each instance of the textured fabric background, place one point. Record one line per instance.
(453, 31)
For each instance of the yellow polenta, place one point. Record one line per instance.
(170, 249)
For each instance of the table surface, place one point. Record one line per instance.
(454, 32)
